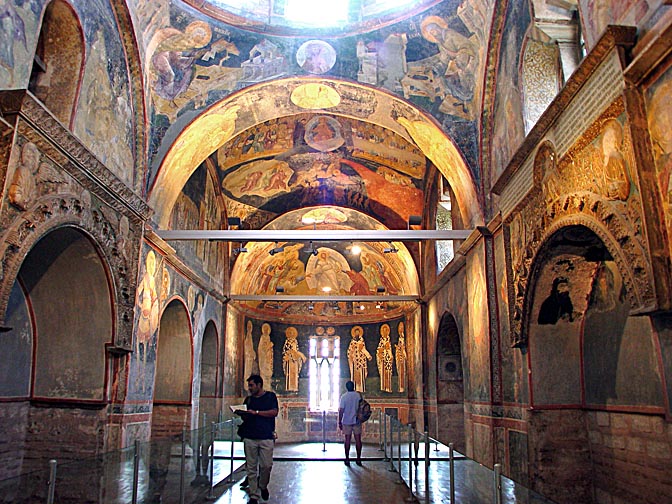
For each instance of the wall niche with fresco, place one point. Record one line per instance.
(297, 359)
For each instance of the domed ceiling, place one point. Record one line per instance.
(289, 17)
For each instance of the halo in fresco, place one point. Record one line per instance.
(316, 57)
(324, 134)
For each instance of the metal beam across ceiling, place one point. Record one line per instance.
(265, 235)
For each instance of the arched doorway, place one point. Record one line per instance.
(209, 372)
(593, 368)
(172, 386)
(59, 318)
(450, 383)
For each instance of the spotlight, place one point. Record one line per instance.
(310, 306)
(276, 250)
(233, 221)
(355, 249)
(380, 289)
(239, 249)
(391, 250)
(279, 288)
(312, 249)
(336, 307)
(414, 220)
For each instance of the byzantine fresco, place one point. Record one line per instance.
(477, 352)
(367, 353)
(594, 182)
(333, 160)
(199, 207)
(597, 14)
(508, 106)
(433, 59)
(105, 121)
(660, 127)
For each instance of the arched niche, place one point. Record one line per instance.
(450, 383)
(60, 315)
(57, 64)
(591, 363)
(209, 368)
(173, 357)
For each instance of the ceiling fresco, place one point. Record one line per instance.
(434, 59)
(325, 268)
(293, 16)
(302, 160)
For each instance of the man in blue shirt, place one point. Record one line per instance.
(348, 423)
(258, 433)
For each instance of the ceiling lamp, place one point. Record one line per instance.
(414, 220)
(312, 249)
(276, 250)
(391, 249)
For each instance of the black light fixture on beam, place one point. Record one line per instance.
(233, 221)
(391, 249)
(414, 220)
(280, 289)
(276, 250)
(239, 249)
(380, 289)
(312, 249)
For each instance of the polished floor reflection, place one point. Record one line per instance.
(313, 472)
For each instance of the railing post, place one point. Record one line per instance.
(451, 456)
(380, 430)
(498, 483)
(233, 424)
(136, 470)
(399, 447)
(324, 431)
(51, 484)
(391, 469)
(385, 437)
(410, 497)
(211, 495)
(427, 469)
(183, 463)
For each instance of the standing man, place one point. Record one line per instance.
(258, 431)
(348, 423)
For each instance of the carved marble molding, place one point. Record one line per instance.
(610, 222)
(53, 211)
(54, 140)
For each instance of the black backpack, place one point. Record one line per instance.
(363, 410)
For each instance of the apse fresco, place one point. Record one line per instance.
(368, 354)
(433, 59)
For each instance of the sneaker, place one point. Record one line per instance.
(245, 483)
(264, 493)
(347, 463)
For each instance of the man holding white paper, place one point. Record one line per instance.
(258, 433)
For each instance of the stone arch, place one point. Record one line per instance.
(269, 100)
(614, 230)
(450, 382)
(74, 210)
(68, 360)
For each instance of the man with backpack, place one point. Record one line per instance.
(348, 422)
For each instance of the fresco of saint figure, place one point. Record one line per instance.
(358, 356)
(265, 355)
(250, 355)
(292, 360)
(384, 359)
(401, 358)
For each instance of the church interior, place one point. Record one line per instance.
(463, 206)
